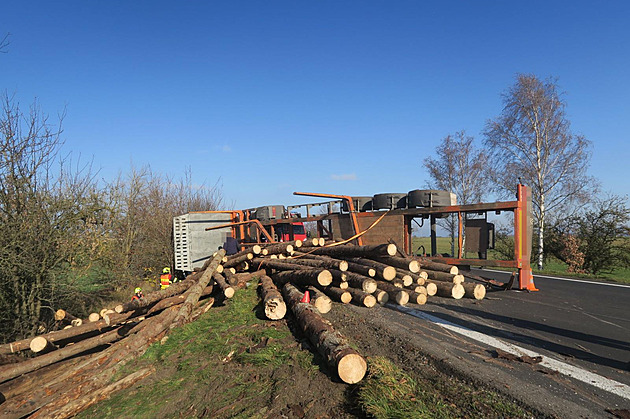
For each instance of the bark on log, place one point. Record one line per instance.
(238, 259)
(337, 294)
(444, 276)
(315, 277)
(383, 271)
(275, 308)
(8, 372)
(324, 263)
(349, 250)
(360, 269)
(356, 280)
(362, 298)
(155, 296)
(285, 247)
(92, 373)
(476, 291)
(450, 290)
(399, 295)
(173, 301)
(407, 264)
(382, 297)
(321, 301)
(65, 317)
(417, 298)
(76, 406)
(228, 291)
(194, 292)
(349, 364)
(436, 266)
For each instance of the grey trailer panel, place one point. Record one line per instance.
(193, 244)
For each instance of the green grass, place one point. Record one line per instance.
(389, 392)
(210, 364)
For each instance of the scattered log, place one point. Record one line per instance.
(8, 372)
(203, 309)
(321, 301)
(173, 301)
(444, 276)
(315, 277)
(337, 294)
(350, 250)
(41, 344)
(285, 247)
(275, 308)
(383, 271)
(417, 298)
(234, 261)
(324, 263)
(80, 404)
(476, 291)
(194, 292)
(155, 296)
(407, 264)
(349, 364)
(94, 317)
(382, 297)
(356, 280)
(399, 295)
(228, 291)
(436, 266)
(65, 317)
(449, 290)
(362, 298)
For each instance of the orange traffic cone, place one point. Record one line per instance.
(306, 298)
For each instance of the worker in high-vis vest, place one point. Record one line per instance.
(165, 278)
(137, 294)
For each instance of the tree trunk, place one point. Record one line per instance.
(156, 296)
(407, 264)
(275, 308)
(194, 292)
(449, 290)
(437, 266)
(228, 291)
(382, 297)
(417, 297)
(350, 366)
(362, 298)
(234, 261)
(349, 250)
(337, 294)
(383, 271)
(305, 277)
(541, 233)
(356, 280)
(325, 263)
(400, 296)
(173, 301)
(476, 291)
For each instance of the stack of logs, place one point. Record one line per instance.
(73, 367)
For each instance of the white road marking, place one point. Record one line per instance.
(572, 371)
(566, 279)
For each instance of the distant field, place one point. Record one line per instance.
(552, 267)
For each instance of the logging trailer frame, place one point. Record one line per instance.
(395, 226)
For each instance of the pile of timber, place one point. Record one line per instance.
(72, 368)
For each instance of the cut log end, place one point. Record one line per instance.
(382, 297)
(346, 297)
(351, 368)
(402, 298)
(275, 309)
(321, 241)
(343, 266)
(38, 344)
(94, 317)
(220, 269)
(119, 308)
(256, 249)
(421, 299)
(458, 291)
(479, 292)
(389, 273)
(369, 301)
(372, 272)
(431, 289)
(414, 266)
(323, 304)
(60, 315)
(228, 292)
(391, 249)
(324, 278)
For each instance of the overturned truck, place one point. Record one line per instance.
(363, 220)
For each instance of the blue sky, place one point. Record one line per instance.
(327, 96)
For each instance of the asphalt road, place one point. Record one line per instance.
(577, 323)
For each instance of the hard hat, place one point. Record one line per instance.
(137, 290)
(166, 270)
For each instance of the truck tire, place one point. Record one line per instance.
(428, 198)
(389, 201)
(361, 203)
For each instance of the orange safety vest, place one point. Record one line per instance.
(165, 280)
(135, 297)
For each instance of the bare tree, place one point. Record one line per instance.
(459, 168)
(4, 43)
(532, 141)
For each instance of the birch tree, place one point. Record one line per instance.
(531, 142)
(461, 168)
